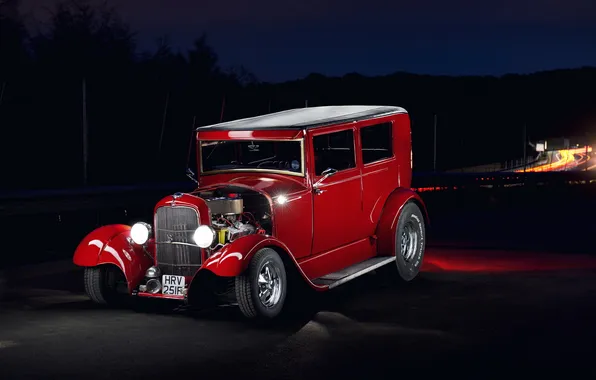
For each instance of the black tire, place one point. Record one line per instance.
(247, 286)
(411, 233)
(101, 284)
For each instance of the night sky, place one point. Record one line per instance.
(283, 40)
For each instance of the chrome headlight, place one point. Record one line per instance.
(204, 236)
(140, 233)
(152, 272)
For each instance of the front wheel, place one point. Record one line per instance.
(261, 289)
(410, 242)
(102, 284)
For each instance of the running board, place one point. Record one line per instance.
(348, 274)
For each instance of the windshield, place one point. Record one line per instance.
(255, 155)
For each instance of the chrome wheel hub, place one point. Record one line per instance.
(269, 282)
(409, 241)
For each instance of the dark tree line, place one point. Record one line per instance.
(84, 65)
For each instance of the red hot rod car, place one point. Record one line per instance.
(322, 192)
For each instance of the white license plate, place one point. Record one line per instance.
(173, 285)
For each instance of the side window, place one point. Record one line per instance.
(334, 150)
(377, 142)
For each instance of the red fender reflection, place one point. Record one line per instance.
(109, 245)
(233, 259)
(388, 221)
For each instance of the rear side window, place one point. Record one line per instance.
(377, 142)
(334, 150)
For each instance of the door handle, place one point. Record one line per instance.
(319, 191)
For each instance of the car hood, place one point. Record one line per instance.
(269, 184)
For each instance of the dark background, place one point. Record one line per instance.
(140, 106)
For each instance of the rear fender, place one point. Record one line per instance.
(112, 245)
(234, 258)
(392, 209)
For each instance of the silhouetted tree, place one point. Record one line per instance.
(242, 76)
(202, 59)
(82, 39)
(13, 40)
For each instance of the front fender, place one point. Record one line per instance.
(110, 245)
(233, 258)
(385, 231)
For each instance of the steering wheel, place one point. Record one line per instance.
(266, 162)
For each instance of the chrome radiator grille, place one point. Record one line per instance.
(175, 248)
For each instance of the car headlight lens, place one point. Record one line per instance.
(140, 232)
(204, 236)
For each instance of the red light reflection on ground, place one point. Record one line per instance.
(473, 260)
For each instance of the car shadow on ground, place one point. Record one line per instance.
(444, 301)
(301, 307)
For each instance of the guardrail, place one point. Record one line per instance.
(57, 201)
(96, 190)
(458, 181)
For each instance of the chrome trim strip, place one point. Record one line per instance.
(176, 243)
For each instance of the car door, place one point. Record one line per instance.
(337, 201)
(379, 170)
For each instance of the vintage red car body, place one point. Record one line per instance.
(327, 226)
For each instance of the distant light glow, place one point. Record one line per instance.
(563, 159)
(281, 199)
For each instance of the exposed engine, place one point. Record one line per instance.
(229, 218)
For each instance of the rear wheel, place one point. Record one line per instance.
(103, 284)
(410, 242)
(261, 289)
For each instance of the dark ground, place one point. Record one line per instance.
(525, 317)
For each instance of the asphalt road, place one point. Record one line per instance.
(471, 314)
